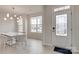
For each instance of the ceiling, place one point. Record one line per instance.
(21, 9)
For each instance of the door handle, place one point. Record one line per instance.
(53, 29)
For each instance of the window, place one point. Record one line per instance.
(61, 25)
(61, 8)
(36, 24)
(20, 24)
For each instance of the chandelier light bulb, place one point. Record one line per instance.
(11, 18)
(8, 15)
(17, 21)
(20, 16)
(5, 18)
(14, 15)
(17, 18)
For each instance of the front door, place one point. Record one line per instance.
(62, 28)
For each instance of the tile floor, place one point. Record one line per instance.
(33, 46)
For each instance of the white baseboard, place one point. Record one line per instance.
(75, 50)
(48, 44)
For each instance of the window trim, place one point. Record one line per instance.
(36, 25)
(62, 8)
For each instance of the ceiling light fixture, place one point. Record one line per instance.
(11, 17)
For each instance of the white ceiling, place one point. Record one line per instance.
(21, 9)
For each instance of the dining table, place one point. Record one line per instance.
(15, 37)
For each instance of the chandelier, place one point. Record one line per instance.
(8, 16)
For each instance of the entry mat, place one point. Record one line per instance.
(62, 50)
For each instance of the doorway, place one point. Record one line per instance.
(62, 27)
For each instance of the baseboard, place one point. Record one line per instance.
(75, 50)
(48, 44)
(34, 38)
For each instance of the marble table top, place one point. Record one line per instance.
(12, 34)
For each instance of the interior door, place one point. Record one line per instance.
(62, 29)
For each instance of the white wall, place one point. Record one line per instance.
(47, 25)
(29, 33)
(6, 26)
(75, 28)
(25, 23)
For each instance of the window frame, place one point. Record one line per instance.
(60, 27)
(20, 27)
(36, 24)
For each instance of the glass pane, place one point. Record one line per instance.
(33, 27)
(39, 27)
(20, 21)
(39, 19)
(33, 20)
(20, 25)
(61, 25)
(20, 28)
(61, 8)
